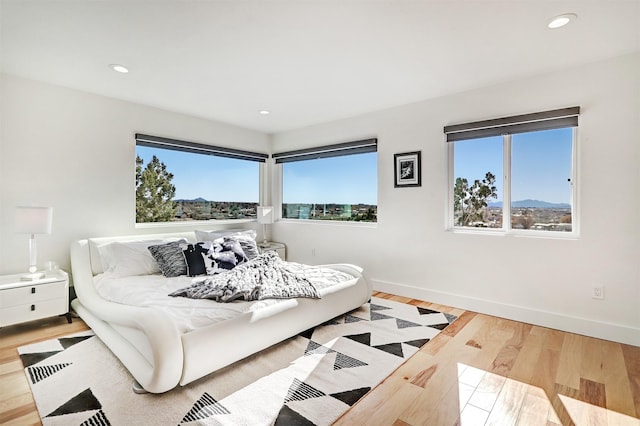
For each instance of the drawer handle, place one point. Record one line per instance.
(33, 290)
(33, 307)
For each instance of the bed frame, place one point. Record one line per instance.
(160, 357)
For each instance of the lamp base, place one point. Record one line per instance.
(32, 276)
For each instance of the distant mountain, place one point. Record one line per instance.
(195, 200)
(533, 204)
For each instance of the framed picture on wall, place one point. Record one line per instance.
(407, 169)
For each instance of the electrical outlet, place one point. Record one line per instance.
(598, 292)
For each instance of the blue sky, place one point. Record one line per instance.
(342, 180)
(208, 176)
(353, 179)
(551, 149)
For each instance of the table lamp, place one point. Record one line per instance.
(265, 217)
(33, 220)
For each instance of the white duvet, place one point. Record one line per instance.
(190, 314)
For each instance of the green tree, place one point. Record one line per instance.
(469, 202)
(154, 192)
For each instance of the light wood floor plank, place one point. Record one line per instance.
(505, 359)
(584, 414)
(445, 379)
(546, 372)
(486, 394)
(506, 410)
(617, 419)
(448, 412)
(525, 364)
(491, 339)
(30, 419)
(11, 365)
(616, 381)
(631, 356)
(592, 360)
(535, 411)
(570, 365)
(12, 403)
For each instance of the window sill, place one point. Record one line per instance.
(329, 223)
(550, 235)
(191, 223)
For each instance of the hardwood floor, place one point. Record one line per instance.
(493, 371)
(480, 370)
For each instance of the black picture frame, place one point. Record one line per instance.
(407, 169)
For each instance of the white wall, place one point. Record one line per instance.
(75, 151)
(543, 281)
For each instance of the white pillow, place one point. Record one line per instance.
(123, 259)
(214, 235)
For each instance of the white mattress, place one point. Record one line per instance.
(191, 314)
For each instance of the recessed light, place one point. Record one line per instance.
(561, 20)
(119, 68)
(264, 112)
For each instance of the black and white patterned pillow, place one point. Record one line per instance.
(235, 246)
(212, 257)
(216, 262)
(249, 246)
(246, 238)
(169, 258)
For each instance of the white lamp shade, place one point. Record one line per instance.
(33, 220)
(265, 215)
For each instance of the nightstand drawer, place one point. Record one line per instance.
(30, 294)
(33, 311)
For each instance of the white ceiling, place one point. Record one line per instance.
(307, 61)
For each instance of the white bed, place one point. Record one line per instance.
(164, 341)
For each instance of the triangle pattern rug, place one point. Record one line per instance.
(309, 379)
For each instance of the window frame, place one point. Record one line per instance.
(325, 151)
(506, 179)
(204, 149)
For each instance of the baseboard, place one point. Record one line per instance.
(584, 326)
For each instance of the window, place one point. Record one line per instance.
(336, 182)
(514, 174)
(478, 160)
(185, 181)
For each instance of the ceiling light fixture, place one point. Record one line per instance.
(264, 112)
(119, 68)
(561, 20)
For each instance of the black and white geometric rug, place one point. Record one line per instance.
(309, 379)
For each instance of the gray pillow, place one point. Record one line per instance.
(170, 258)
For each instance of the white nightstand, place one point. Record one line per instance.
(273, 246)
(22, 301)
